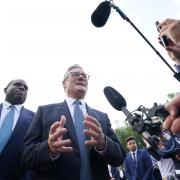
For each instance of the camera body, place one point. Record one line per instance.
(148, 123)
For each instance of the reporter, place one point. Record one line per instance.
(171, 29)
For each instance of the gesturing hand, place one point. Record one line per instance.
(55, 140)
(94, 130)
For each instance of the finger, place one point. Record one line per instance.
(173, 49)
(175, 127)
(92, 129)
(91, 142)
(54, 127)
(65, 149)
(172, 109)
(92, 120)
(58, 134)
(92, 134)
(167, 21)
(167, 123)
(58, 144)
(62, 121)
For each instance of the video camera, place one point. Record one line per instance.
(148, 123)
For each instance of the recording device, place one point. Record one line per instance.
(101, 14)
(163, 38)
(148, 123)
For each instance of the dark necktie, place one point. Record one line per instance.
(78, 123)
(135, 163)
(6, 128)
(134, 158)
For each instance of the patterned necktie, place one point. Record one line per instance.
(6, 128)
(78, 123)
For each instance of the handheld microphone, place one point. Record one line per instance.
(116, 100)
(101, 14)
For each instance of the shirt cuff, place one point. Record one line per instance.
(103, 150)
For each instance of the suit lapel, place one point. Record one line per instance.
(64, 110)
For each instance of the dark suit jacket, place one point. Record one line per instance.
(9, 157)
(144, 169)
(35, 153)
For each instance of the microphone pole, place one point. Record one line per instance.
(176, 75)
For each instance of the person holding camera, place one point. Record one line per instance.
(171, 29)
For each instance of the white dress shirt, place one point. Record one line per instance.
(70, 103)
(6, 109)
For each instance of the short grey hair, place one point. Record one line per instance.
(69, 70)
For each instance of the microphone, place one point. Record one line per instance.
(101, 14)
(117, 101)
(115, 98)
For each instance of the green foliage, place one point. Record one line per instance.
(172, 95)
(126, 131)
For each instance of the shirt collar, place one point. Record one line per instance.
(134, 152)
(70, 101)
(7, 104)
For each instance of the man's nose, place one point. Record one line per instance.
(81, 77)
(22, 88)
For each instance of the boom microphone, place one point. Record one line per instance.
(101, 14)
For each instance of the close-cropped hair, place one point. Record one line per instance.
(129, 139)
(69, 70)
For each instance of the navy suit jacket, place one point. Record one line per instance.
(35, 155)
(9, 157)
(144, 166)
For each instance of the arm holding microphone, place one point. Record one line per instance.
(101, 14)
(171, 29)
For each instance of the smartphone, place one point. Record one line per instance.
(164, 38)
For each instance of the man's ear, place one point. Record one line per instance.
(5, 90)
(64, 84)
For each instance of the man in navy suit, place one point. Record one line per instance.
(138, 163)
(52, 148)
(16, 92)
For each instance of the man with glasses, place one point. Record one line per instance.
(70, 140)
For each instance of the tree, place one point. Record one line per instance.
(126, 131)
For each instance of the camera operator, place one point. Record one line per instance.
(171, 29)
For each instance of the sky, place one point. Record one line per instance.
(40, 39)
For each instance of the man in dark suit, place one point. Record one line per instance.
(53, 147)
(16, 92)
(138, 163)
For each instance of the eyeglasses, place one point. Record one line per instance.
(78, 74)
